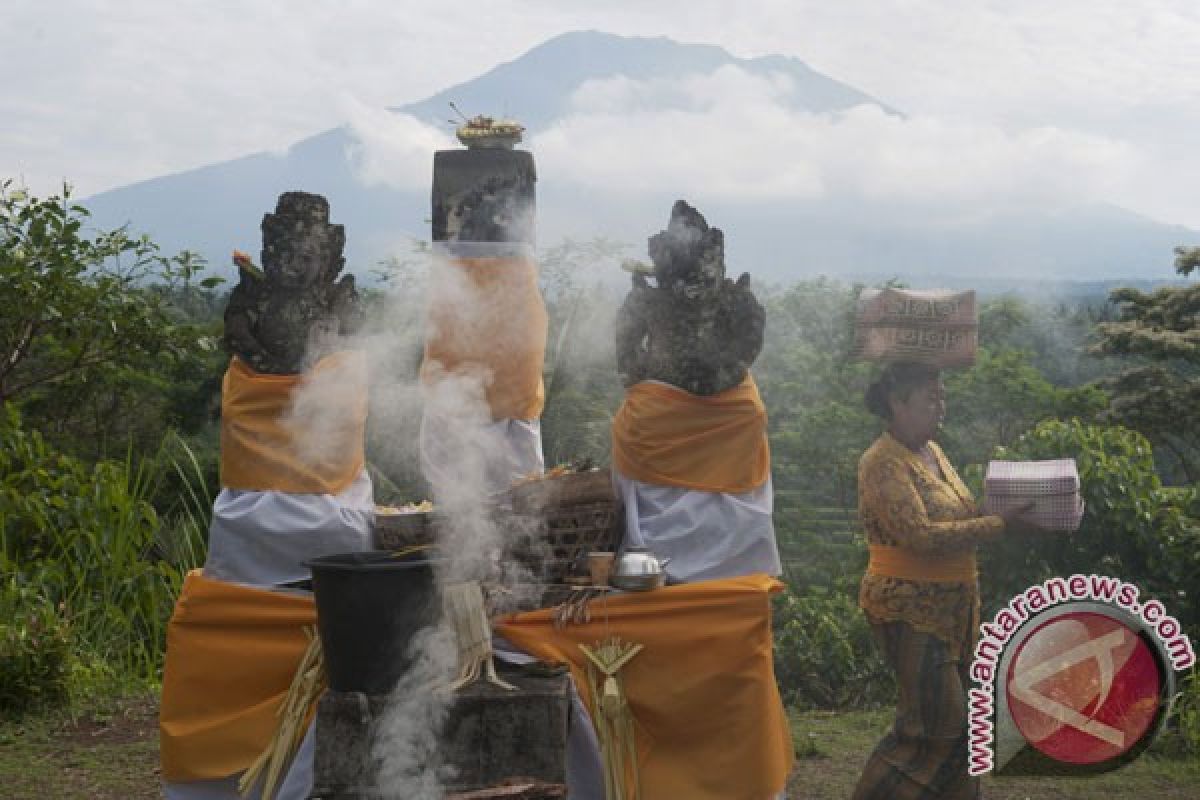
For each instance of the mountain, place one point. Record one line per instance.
(216, 208)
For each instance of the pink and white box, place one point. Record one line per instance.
(1052, 486)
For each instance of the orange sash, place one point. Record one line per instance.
(898, 562)
(486, 318)
(710, 722)
(260, 450)
(668, 437)
(232, 652)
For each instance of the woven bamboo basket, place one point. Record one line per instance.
(560, 491)
(554, 544)
(404, 530)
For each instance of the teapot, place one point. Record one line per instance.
(638, 570)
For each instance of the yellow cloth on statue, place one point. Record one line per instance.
(668, 437)
(259, 449)
(710, 724)
(232, 652)
(486, 317)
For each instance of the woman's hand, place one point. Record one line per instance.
(1015, 521)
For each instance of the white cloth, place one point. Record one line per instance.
(706, 535)
(585, 768)
(264, 538)
(457, 453)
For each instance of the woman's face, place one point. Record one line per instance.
(918, 416)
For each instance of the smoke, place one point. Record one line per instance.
(443, 420)
(389, 148)
(406, 742)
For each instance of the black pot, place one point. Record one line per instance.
(369, 606)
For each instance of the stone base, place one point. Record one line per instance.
(490, 735)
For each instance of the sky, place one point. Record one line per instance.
(1091, 99)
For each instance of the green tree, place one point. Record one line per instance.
(1002, 396)
(1160, 398)
(93, 345)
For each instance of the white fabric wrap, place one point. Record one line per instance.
(264, 538)
(706, 535)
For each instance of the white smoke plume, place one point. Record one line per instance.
(390, 148)
(405, 744)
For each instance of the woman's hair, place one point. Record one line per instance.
(898, 380)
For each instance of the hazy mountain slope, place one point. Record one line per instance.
(217, 208)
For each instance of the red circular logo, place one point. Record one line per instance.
(1083, 688)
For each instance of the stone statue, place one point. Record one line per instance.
(283, 319)
(695, 329)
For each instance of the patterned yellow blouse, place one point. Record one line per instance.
(931, 525)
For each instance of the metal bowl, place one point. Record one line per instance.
(638, 570)
(638, 583)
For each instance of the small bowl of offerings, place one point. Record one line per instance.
(404, 526)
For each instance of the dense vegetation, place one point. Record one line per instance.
(110, 375)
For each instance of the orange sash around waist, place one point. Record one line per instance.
(899, 562)
(486, 319)
(301, 434)
(668, 437)
(710, 724)
(232, 652)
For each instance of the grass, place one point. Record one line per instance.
(108, 753)
(111, 753)
(831, 748)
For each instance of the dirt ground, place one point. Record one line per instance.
(114, 756)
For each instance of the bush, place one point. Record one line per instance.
(1187, 714)
(1181, 737)
(1134, 528)
(35, 650)
(824, 654)
(86, 538)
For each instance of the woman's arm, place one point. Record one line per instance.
(890, 497)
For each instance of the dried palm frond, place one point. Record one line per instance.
(612, 718)
(306, 688)
(463, 603)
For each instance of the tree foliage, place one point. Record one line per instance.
(92, 342)
(1161, 395)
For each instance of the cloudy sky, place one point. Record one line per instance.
(1091, 99)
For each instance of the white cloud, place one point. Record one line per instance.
(730, 135)
(109, 93)
(389, 148)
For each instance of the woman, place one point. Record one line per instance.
(920, 592)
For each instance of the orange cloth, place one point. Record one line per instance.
(232, 652)
(710, 722)
(487, 318)
(668, 437)
(259, 448)
(897, 562)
